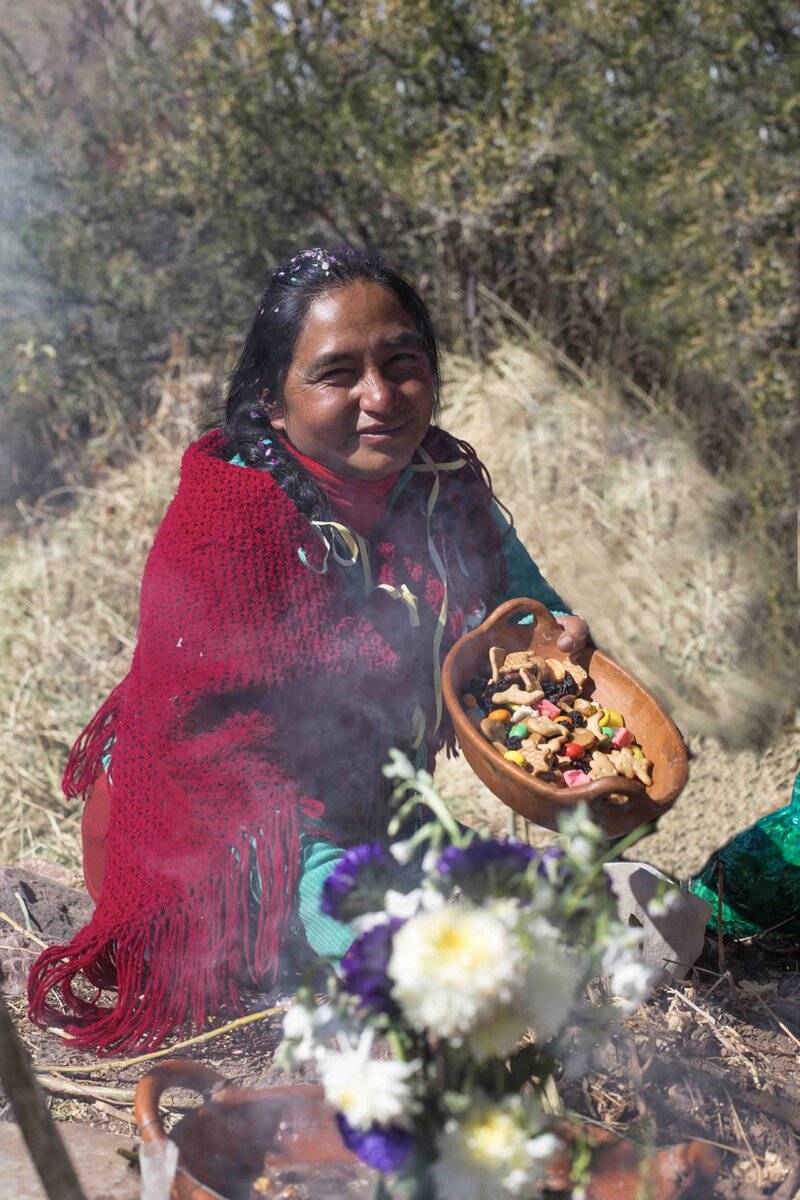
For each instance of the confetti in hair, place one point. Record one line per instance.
(317, 257)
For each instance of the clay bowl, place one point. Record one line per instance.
(617, 804)
(239, 1134)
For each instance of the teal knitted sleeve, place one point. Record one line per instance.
(524, 577)
(324, 934)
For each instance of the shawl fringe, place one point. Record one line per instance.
(85, 762)
(189, 959)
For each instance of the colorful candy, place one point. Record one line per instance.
(538, 720)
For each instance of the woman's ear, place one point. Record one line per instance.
(273, 409)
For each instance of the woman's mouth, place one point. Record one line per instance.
(382, 433)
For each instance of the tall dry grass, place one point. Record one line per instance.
(69, 590)
(615, 507)
(636, 534)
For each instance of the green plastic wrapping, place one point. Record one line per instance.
(760, 877)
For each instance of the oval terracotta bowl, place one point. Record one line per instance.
(617, 804)
(241, 1134)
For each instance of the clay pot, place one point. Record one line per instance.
(617, 804)
(239, 1133)
(227, 1143)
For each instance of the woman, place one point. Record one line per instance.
(325, 548)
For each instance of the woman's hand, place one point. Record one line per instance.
(575, 635)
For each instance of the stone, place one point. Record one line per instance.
(104, 1174)
(56, 911)
(673, 940)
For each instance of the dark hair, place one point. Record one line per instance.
(269, 348)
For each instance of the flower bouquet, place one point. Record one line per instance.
(442, 1026)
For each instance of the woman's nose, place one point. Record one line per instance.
(379, 393)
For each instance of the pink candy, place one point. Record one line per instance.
(575, 778)
(622, 737)
(546, 708)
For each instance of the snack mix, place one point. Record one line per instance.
(531, 711)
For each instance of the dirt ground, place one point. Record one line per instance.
(727, 791)
(714, 1058)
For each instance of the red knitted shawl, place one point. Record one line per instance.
(261, 702)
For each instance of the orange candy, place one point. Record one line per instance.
(500, 714)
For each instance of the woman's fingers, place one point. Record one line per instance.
(575, 635)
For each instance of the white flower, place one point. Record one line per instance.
(582, 850)
(497, 1036)
(548, 992)
(631, 982)
(407, 904)
(368, 1091)
(490, 1153)
(304, 1030)
(430, 861)
(298, 1027)
(453, 968)
(367, 921)
(624, 942)
(403, 852)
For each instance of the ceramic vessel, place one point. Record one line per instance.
(617, 804)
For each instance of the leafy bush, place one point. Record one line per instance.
(621, 175)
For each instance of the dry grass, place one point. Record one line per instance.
(68, 600)
(636, 535)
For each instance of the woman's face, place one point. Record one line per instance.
(358, 396)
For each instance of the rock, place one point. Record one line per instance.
(103, 1173)
(57, 912)
(673, 939)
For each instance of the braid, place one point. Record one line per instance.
(308, 498)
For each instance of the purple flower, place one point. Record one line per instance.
(358, 883)
(383, 1149)
(487, 867)
(364, 967)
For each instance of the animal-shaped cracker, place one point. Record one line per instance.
(497, 656)
(546, 727)
(523, 658)
(602, 766)
(540, 763)
(515, 696)
(632, 767)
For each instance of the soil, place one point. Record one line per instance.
(714, 1057)
(727, 791)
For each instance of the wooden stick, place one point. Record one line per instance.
(86, 1091)
(21, 929)
(114, 1064)
(38, 1127)
(720, 942)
